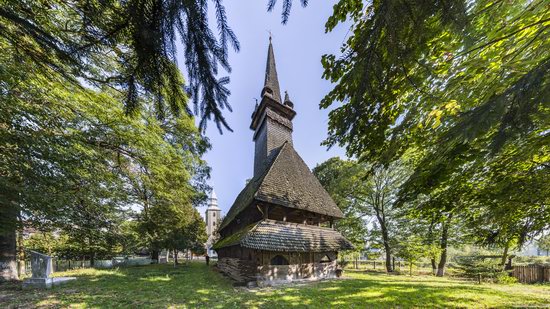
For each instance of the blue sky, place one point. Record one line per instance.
(298, 47)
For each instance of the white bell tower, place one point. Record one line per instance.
(212, 217)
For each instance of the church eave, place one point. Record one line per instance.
(258, 115)
(271, 235)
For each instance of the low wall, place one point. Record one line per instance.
(123, 262)
(277, 274)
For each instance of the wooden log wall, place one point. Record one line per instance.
(238, 269)
(532, 273)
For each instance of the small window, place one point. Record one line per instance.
(214, 214)
(325, 259)
(279, 260)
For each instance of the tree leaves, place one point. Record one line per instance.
(464, 82)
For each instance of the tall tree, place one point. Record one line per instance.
(467, 82)
(366, 192)
(77, 147)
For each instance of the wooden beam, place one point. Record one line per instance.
(266, 211)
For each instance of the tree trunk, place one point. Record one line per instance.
(92, 259)
(431, 240)
(20, 254)
(155, 255)
(434, 265)
(8, 253)
(175, 257)
(388, 258)
(8, 246)
(443, 246)
(442, 263)
(504, 256)
(386, 241)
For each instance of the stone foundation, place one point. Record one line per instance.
(244, 271)
(45, 283)
(269, 275)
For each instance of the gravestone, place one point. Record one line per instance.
(41, 268)
(163, 257)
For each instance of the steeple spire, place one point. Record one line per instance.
(272, 119)
(271, 84)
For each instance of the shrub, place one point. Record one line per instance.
(505, 278)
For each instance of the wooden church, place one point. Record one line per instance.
(280, 227)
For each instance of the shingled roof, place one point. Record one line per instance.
(283, 236)
(286, 181)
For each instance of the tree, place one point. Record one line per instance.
(544, 243)
(466, 82)
(141, 34)
(412, 249)
(363, 192)
(339, 178)
(71, 72)
(77, 147)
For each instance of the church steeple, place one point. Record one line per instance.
(271, 84)
(272, 119)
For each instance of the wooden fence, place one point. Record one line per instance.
(531, 273)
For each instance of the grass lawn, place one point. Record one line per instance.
(195, 285)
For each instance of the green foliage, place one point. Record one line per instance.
(464, 82)
(140, 38)
(367, 196)
(505, 278)
(340, 178)
(530, 260)
(486, 266)
(412, 249)
(71, 160)
(44, 242)
(544, 243)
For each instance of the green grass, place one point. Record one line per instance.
(196, 285)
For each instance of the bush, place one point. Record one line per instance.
(476, 265)
(505, 278)
(342, 263)
(528, 260)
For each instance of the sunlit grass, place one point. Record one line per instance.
(196, 285)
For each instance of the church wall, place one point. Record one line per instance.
(246, 265)
(237, 269)
(270, 135)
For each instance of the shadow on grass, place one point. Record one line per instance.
(196, 285)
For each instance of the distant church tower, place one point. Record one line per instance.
(212, 217)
